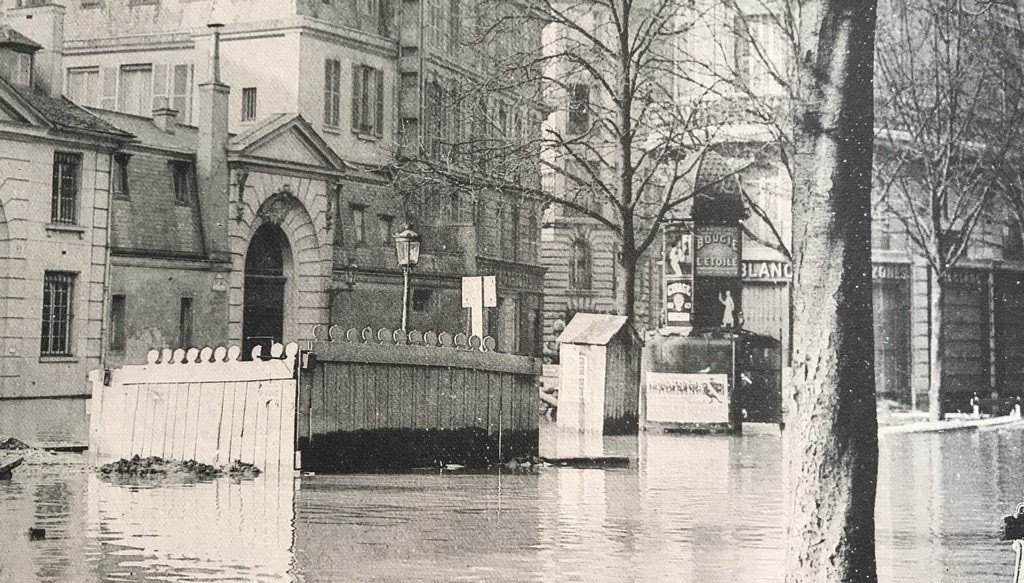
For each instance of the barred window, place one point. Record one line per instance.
(67, 171)
(58, 303)
(248, 103)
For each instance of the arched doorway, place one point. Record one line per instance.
(267, 263)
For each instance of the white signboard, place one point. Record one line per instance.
(687, 398)
(478, 293)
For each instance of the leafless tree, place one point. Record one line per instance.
(628, 129)
(949, 107)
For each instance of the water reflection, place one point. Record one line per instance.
(940, 502)
(692, 509)
(193, 531)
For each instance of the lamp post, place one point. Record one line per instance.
(407, 250)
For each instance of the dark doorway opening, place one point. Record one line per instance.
(263, 311)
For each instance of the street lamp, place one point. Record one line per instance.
(407, 249)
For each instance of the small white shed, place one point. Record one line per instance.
(599, 375)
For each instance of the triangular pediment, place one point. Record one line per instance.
(289, 146)
(287, 140)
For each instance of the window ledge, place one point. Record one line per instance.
(61, 228)
(365, 136)
(581, 292)
(332, 129)
(55, 359)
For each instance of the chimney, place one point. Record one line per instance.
(45, 25)
(166, 119)
(212, 154)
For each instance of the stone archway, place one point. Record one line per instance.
(268, 269)
(281, 227)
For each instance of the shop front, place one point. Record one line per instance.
(892, 304)
(1009, 304)
(966, 339)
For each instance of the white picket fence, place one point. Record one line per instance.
(205, 405)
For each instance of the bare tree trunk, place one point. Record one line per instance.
(830, 439)
(625, 294)
(935, 346)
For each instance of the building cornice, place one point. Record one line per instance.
(256, 163)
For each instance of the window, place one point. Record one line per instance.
(332, 93)
(579, 109)
(172, 87)
(759, 53)
(83, 86)
(119, 176)
(184, 181)
(117, 320)
(421, 299)
(58, 299)
(248, 103)
(579, 181)
(387, 227)
(16, 67)
(185, 319)
(359, 224)
(1013, 241)
(66, 177)
(367, 100)
(135, 90)
(579, 266)
(22, 73)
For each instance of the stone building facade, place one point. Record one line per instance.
(55, 162)
(357, 73)
(253, 174)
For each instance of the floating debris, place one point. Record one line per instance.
(157, 466)
(243, 469)
(7, 468)
(12, 443)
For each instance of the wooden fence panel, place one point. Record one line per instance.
(421, 398)
(189, 406)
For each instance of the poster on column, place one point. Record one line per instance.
(678, 275)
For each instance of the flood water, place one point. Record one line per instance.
(690, 509)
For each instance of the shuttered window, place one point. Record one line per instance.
(83, 86)
(135, 90)
(67, 172)
(332, 93)
(172, 88)
(58, 303)
(367, 100)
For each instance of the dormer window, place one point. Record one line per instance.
(16, 67)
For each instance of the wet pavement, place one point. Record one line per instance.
(692, 509)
